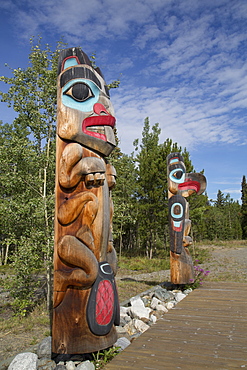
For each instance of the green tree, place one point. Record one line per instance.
(244, 207)
(28, 164)
(220, 201)
(223, 220)
(151, 188)
(124, 220)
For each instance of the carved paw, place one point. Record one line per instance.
(94, 180)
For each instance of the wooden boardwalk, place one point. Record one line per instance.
(207, 330)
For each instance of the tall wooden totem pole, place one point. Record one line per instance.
(86, 307)
(180, 186)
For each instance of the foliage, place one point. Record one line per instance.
(200, 274)
(151, 188)
(102, 357)
(27, 165)
(124, 221)
(144, 264)
(244, 207)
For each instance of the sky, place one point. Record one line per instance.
(182, 63)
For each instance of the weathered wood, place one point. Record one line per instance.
(181, 185)
(84, 257)
(207, 330)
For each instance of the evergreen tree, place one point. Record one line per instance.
(244, 207)
(124, 219)
(151, 188)
(220, 202)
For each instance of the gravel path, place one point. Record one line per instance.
(226, 264)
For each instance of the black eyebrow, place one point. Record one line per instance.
(78, 72)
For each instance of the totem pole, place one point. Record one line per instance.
(86, 307)
(180, 186)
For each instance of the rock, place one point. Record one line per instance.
(121, 329)
(158, 294)
(179, 296)
(158, 314)
(46, 364)
(70, 365)
(122, 343)
(187, 291)
(140, 325)
(60, 367)
(154, 303)
(147, 321)
(168, 296)
(137, 309)
(122, 321)
(130, 328)
(162, 308)
(44, 348)
(145, 300)
(86, 365)
(124, 311)
(24, 361)
(170, 305)
(153, 318)
(127, 319)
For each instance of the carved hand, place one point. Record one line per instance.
(74, 168)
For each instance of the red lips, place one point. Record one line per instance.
(190, 185)
(103, 118)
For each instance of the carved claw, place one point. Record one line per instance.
(94, 180)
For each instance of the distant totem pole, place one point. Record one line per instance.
(86, 307)
(180, 186)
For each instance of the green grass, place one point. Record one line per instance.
(144, 264)
(38, 317)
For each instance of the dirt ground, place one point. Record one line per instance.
(226, 264)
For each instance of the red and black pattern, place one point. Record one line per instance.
(103, 305)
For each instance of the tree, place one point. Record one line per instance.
(220, 202)
(151, 188)
(244, 207)
(124, 220)
(30, 155)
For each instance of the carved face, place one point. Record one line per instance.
(175, 171)
(181, 182)
(85, 112)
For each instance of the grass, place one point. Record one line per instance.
(38, 317)
(144, 264)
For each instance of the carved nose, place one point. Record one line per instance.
(100, 109)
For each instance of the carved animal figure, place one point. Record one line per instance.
(85, 296)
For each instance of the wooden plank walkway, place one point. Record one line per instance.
(207, 330)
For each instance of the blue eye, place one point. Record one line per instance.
(79, 92)
(177, 175)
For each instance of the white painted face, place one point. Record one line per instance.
(85, 112)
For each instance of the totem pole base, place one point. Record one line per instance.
(71, 333)
(181, 267)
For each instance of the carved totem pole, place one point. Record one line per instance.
(180, 186)
(86, 307)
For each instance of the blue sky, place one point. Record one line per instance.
(182, 63)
